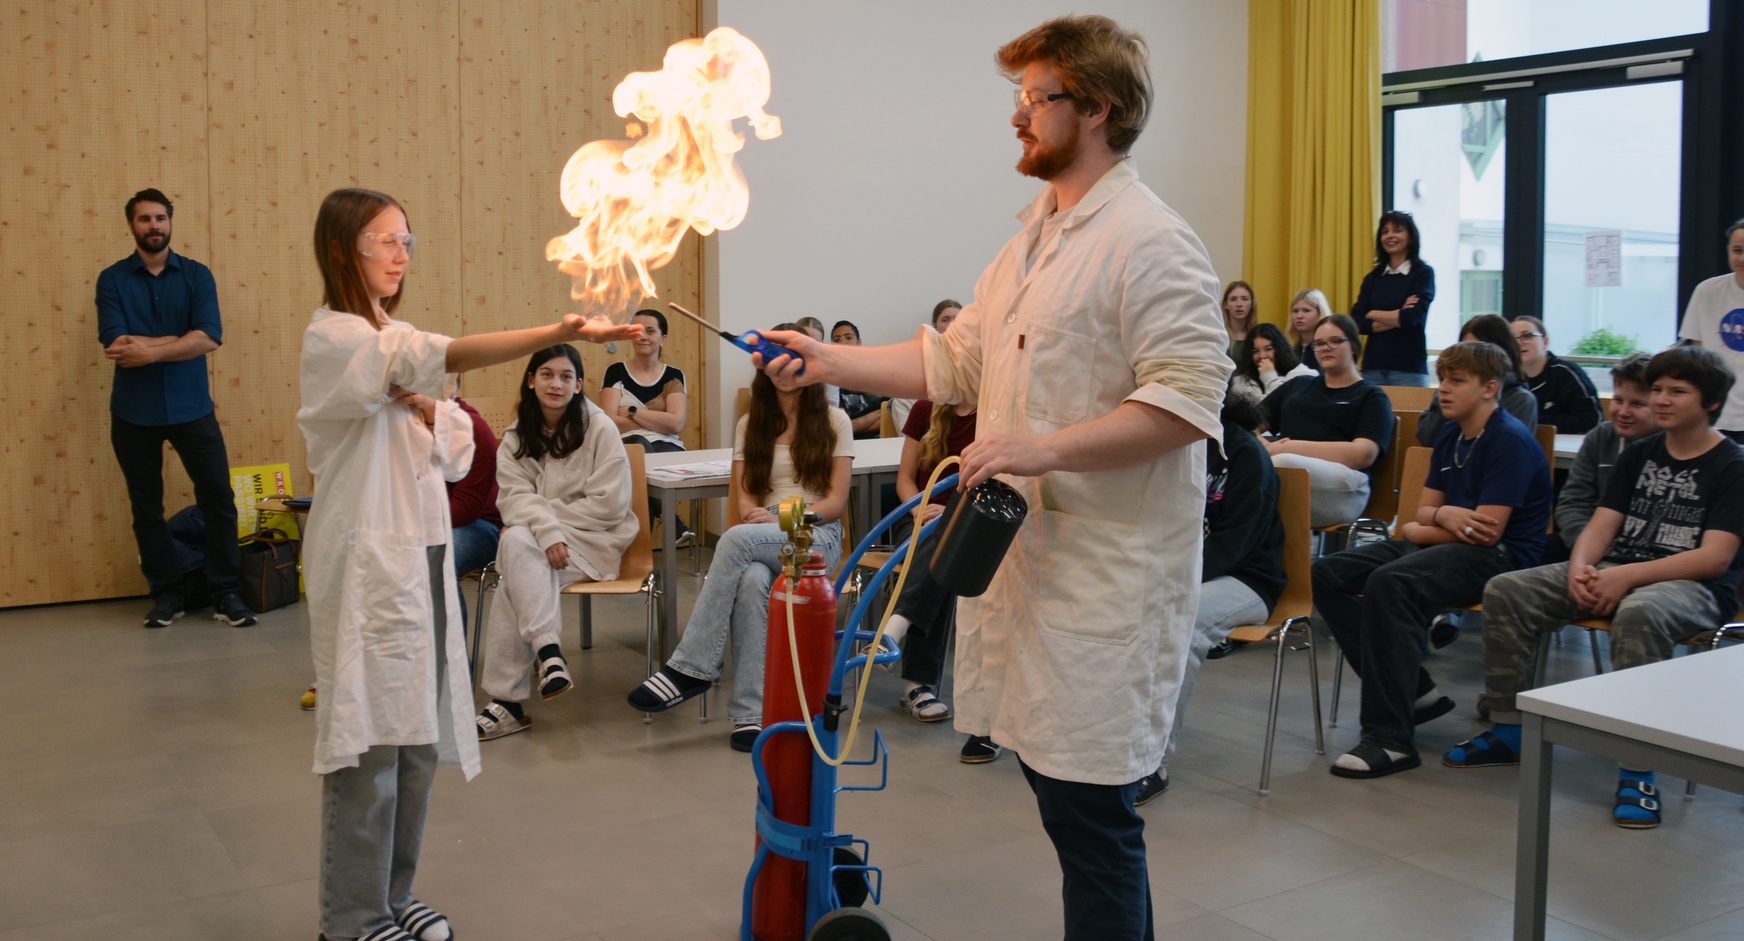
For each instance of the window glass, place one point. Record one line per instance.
(1611, 182)
(1421, 34)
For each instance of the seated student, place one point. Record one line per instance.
(944, 312)
(647, 401)
(1659, 558)
(1307, 308)
(923, 612)
(789, 443)
(1268, 362)
(865, 409)
(1566, 397)
(1243, 557)
(563, 488)
(1335, 424)
(1516, 399)
(472, 503)
(1631, 420)
(1483, 512)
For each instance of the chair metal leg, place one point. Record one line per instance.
(487, 583)
(1593, 639)
(1337, 685)
(1272, 713)
(587, 622)
(1314, 683)
(650, 588)
(1541, 664)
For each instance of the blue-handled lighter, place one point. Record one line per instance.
(750, 341)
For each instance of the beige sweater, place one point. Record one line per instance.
(582, 499)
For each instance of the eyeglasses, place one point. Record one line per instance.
(1523, 337)
(1321, 346)
(386, 245)
(1029, 102)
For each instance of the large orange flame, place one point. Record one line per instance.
(634, 199)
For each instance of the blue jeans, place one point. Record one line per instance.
(734, 602)
(1396, 377)
(475, 546)
(1099, 837)
(1225, 604)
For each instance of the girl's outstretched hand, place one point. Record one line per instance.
(597, 329)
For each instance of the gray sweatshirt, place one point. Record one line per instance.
(1587, 481)
(582, 499)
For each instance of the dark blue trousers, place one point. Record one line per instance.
(1099, 837)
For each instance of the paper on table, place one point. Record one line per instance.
(691, 471)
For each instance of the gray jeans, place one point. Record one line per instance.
(734, 601)
(1224, 605)
(1518, 606)
(525, 615)
(372, 816)
(1336, 494)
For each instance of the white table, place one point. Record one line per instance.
(1677, 716)
(1567, 446)
(876, 461)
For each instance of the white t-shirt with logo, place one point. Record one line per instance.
(1715, 319)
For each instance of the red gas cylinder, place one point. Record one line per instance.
(778, 905)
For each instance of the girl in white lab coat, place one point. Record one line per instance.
(382, 437)
(563, 489)
(787, 444)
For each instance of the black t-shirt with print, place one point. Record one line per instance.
(1667, 504)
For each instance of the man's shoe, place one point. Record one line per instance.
(230, 610)
(164, 609)
(1150, 787)
(1443, 630)
(1224, 649)
(979, 750)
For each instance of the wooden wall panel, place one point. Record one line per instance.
(104, 99)
(247, 114)
(306, 100)
(537, 85)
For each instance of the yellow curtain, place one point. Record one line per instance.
(1313, 149)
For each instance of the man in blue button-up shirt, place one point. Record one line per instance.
(157, 318)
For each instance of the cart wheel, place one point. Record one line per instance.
(851, 887)
(849, 924)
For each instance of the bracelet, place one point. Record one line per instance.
(1433, 517)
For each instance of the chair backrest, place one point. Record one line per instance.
(886, 421)
(638, 559)
(1408, 398)
(1298, 597)
(1384, 482)
(1408, 422)
(1547, 441)
(498, 411)
(1413, 475)
(741, 405)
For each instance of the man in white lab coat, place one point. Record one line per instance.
(1094, 347)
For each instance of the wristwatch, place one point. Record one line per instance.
(632, 410)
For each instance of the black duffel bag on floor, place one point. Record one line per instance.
(269, 570)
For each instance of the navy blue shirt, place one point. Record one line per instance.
(1404, 349)
(1503, 466)
(132, 302)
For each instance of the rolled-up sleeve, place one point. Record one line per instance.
(203, 303)
(1172, 332)
(952, 359)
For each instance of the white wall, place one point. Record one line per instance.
(892, 184)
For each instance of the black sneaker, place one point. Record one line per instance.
(164, 609)
(1443, 630)
(1150, 787)
(745, 736)
(230, 610)
(1224, 649)
(979, 750)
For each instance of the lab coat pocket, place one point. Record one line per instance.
(1094, 570)
(1059, 384)
(388, 583)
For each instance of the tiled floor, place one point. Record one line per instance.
(156, 785)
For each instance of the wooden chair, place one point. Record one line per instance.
(1546, 435)
(1377, 515)
(1408, 398)
(636, 575)
(886, 422)
(741, 404)
(1290, 616)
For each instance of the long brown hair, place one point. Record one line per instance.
(343, 215)
(932, 444)
(814, 441)
(533, 440)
